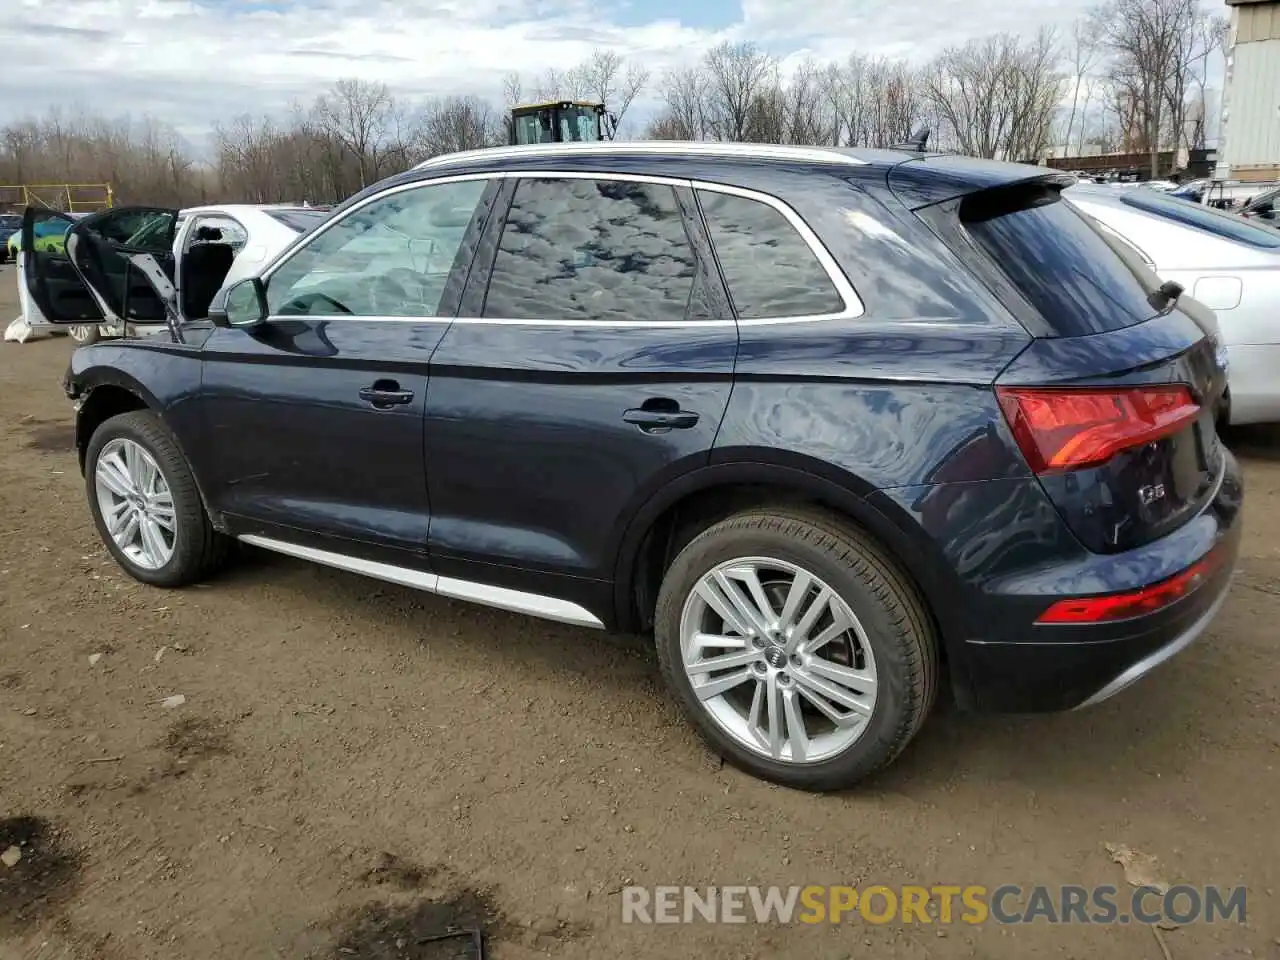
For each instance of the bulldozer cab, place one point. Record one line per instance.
(563, 121)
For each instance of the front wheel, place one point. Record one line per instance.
(85, 333)
(797, 649)
(146, 505)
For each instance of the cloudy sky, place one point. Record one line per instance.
(192, 62)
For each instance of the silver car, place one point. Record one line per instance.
(1228, 263)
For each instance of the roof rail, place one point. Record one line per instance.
(688, 148)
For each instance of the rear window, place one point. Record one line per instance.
(1063, 265)
(1226, 225)
(298, 220)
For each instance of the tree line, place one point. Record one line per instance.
(1130, 76)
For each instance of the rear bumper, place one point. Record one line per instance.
(1146, 664)
(1063, 667)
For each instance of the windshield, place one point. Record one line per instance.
(579, 124)
(1226, 225)
(300, 220)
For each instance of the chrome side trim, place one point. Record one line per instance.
(503, 598)
(1157, 657)
(670, 148)
(547, 608)
(853, 306)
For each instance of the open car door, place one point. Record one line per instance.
(115, 267)
(50, 282)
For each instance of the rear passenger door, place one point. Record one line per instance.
(590, 364)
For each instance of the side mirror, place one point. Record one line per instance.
(243, 304)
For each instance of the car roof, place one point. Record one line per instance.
(687, 149)
(239, 208)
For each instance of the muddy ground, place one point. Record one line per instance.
(356, 767)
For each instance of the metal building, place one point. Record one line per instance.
(1249, 144)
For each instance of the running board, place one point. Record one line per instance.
(517, 601)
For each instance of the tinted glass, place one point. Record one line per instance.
(391, 258)
(1197, 215)
(770, 270)
(298, 220)
(593, 250)
(1060, 262)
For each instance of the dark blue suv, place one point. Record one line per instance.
(828, 423)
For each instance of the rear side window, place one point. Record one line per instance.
(1225, 225)
(1059, 261)
(770, 269)
(595, 251)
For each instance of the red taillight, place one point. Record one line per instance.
(1122, 606)
(1070, 428)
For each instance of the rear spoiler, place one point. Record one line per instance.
(936, 178)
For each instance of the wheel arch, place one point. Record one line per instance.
(106, 393)
(702, 497)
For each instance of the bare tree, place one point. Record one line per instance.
(685, 95)
(358, 114)
(1084, 56)
(512, 89)
(1150, 43)
(610, 79)
(451, 124)
(997, 96)
(736, 75)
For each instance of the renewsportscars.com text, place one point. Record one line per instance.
(1006, 904)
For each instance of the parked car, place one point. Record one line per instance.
(199, 248)
(10, 223)
(826, 422)
(1263, 207)
(1230, 264)
(49, 235)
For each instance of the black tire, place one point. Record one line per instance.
(899, 628)
(199, 550)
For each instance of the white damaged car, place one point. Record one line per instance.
(199, 250)
(1228, 263)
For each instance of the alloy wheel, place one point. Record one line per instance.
(778, 659)
(136, 503)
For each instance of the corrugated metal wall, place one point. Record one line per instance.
(1258, 21)
(1253, 128)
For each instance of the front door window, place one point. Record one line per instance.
(390, 258)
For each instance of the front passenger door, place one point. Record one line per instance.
(313, 419)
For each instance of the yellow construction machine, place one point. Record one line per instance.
(561, 121)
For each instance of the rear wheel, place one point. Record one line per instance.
(799, 651)
(146, 505)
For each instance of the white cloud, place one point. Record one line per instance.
(193, 62)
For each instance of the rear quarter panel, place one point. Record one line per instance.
(897, 406)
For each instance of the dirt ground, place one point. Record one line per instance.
(358, 766)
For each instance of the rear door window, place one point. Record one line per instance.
(770, 269)
(595, 251)
(1064, 266)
